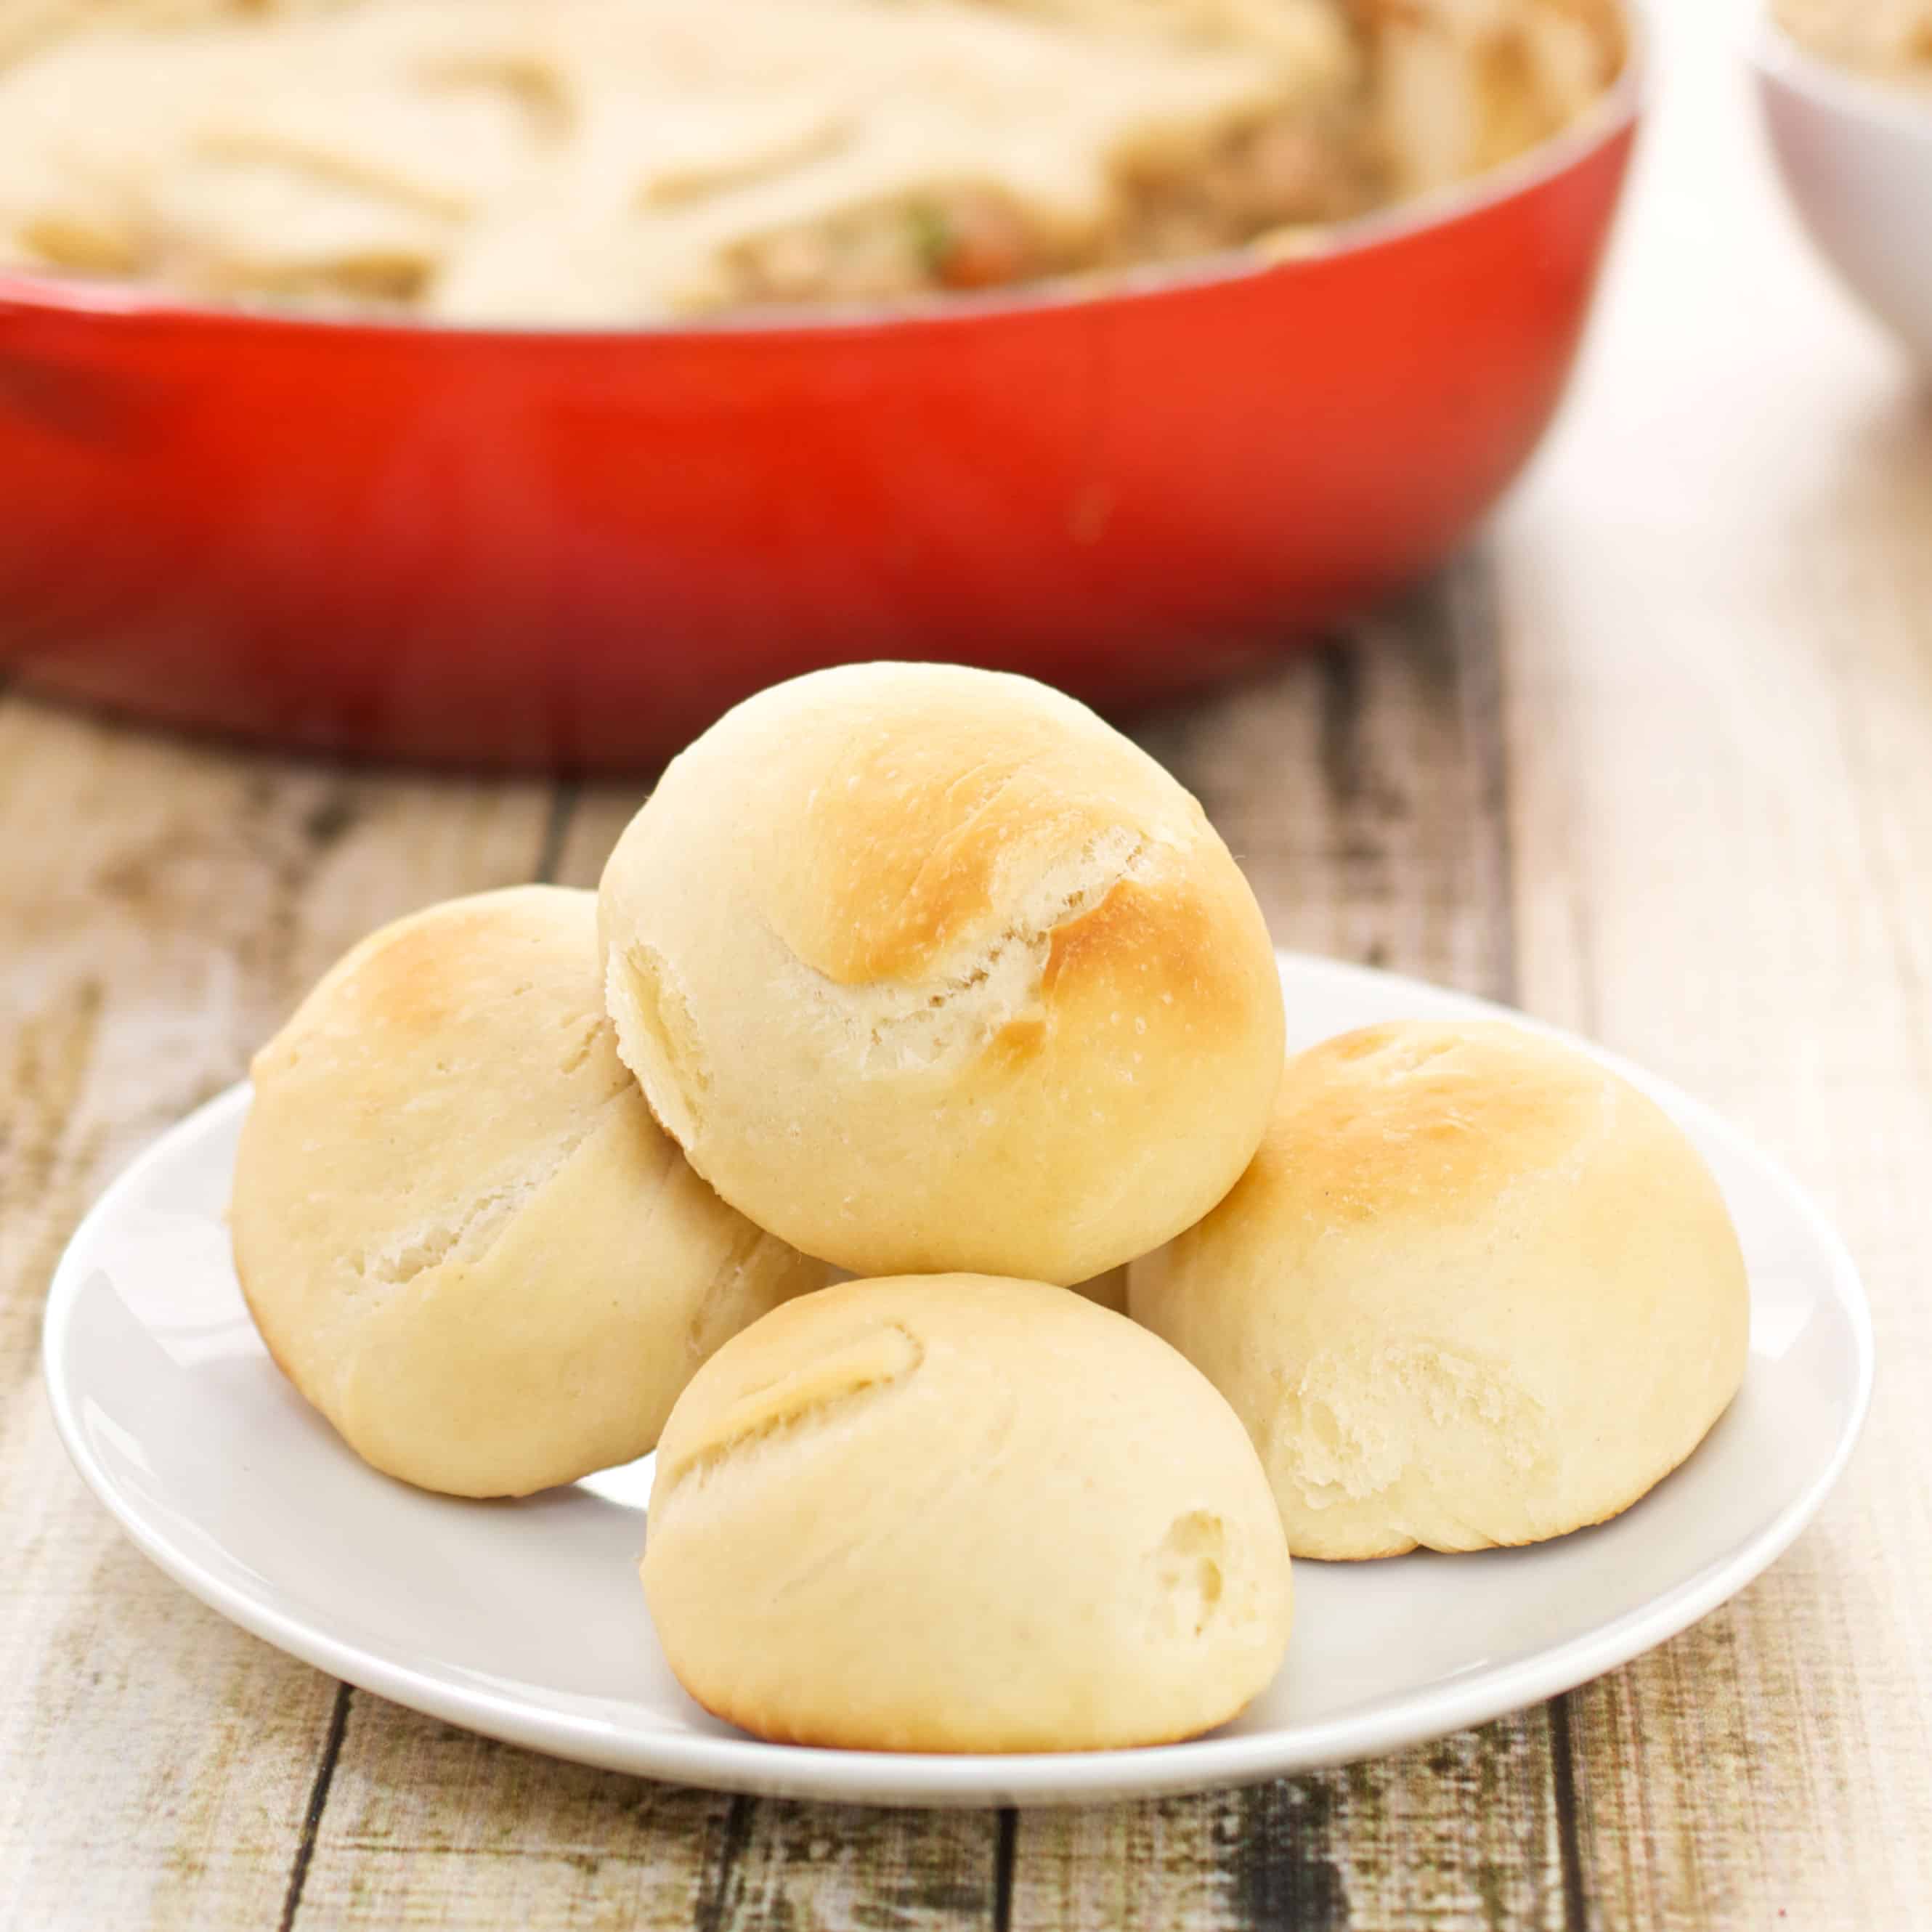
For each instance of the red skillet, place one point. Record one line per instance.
(575, 549)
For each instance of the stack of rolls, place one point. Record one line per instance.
(926, 977)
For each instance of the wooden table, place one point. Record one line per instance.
(1655, 760)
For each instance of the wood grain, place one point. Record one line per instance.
(162, 906)
(428, 1825)
(598, 813)
(1720, 733)
(1463, 1834)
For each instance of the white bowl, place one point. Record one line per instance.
(1856, 154)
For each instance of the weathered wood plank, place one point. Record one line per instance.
(162, 905)
(1718, 605)
(1459, 1834)
(837, 1868)
(598, 813)
(1361, 787)
(1359, 784)
(427, 1825)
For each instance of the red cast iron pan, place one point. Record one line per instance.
(575, 549)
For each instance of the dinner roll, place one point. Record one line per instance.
(459, 1230)
(1475, 1289)
(955, 1513)
(928, 968)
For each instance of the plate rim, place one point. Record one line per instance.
(745, 1764)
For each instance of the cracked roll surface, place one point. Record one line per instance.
(1475, 1290)
(956, 1513)
(928, 968)
(460, 1231)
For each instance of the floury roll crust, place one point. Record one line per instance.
(1475, 1290)
(962, 1514)
(459, 1232)
(929, 969)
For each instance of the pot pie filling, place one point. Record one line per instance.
(609, 161)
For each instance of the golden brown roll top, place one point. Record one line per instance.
(1475, 1289)
(458, 1228)
(928, 968)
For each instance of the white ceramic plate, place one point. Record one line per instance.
(525, 1620)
